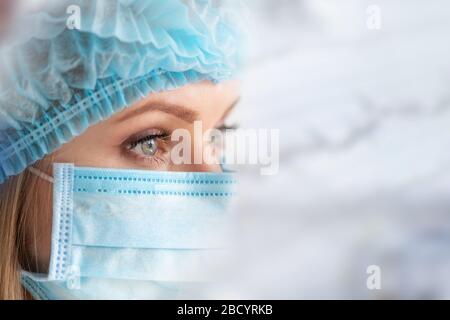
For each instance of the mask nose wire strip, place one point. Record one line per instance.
(41, 174)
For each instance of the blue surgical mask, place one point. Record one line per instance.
(132, 234)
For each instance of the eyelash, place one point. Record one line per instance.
(225, 127)
(162, 139)
(147, 138)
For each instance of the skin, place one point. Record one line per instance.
(107, 144)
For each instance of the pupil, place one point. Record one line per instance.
(149, 147)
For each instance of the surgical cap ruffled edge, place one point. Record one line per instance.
(24, 143)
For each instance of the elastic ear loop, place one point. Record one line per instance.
(41, 174)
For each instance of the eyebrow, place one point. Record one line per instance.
(173, 109)
(178, 111)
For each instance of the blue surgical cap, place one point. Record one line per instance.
(61, 73)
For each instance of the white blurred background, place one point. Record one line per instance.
(360, 91)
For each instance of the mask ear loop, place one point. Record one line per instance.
(41, 174)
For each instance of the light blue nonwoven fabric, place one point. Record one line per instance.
(55, 82)
(135, 234)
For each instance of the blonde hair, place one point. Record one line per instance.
(20, 203)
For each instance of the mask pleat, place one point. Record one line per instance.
(147, 221)
(146, 264)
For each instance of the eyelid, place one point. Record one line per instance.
(161, 137)
(157, 158)
(154, 132)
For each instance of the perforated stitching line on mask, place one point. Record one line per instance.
(156, 180)
(167, 193)
(65, 209)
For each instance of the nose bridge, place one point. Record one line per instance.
(203, 167)
(208, 168)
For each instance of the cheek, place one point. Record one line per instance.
(97, 147)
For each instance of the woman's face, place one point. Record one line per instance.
(138, 138)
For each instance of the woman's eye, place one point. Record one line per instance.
(226, 127)
(149, 147)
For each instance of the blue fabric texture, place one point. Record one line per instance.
(134, 234)
(55, 81)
